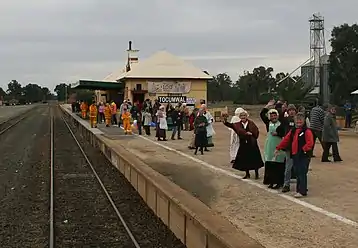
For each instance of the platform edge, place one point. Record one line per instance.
(194, 223)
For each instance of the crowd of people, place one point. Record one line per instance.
(143, 116)
(291, 134)
(289, 145)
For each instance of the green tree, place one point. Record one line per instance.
(83, 95)
(46, 94)
(220, 88)
(2, 92)
(14, 89)
(291, 89)
(62, 91)
(343, 62)
(32, 93)
(252, 85)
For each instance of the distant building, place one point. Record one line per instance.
(307, 73)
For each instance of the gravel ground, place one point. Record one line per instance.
(24, 182)
(83, 214)
(7, 119)
(147, 228)
(8, 112)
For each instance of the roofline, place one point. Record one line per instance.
(106, 84)
(161, 77)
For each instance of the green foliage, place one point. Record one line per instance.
(292, 89)
(2, 92)
(65, 93)
(29, 93)
(62, 91)
(220, 88)
(83, 95)
(343, 62)
(258, 86)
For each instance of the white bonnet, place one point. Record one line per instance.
(238, 111)
(272, 111)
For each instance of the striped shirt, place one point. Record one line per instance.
(317, 118)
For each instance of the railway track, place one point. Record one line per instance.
(56, 190)
(82, 212)
(12, 122)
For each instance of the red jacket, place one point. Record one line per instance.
(285, 143)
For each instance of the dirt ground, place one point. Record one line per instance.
(265, 215)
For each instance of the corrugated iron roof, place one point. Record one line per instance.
(116, 75)
(164, 65)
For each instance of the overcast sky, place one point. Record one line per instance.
(53, 41)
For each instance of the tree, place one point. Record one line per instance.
(14, 89)
(46, 94)
(253, 84)
(2, 92)
(220, 88)
(291, 89)
(33, 93)
(62, 91)
(343, 62)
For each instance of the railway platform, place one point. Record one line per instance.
(328, 217)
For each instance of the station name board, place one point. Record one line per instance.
(171, 99)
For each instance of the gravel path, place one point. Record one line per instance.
(24, 182)
(149, 231)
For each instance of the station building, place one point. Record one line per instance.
(162, 76)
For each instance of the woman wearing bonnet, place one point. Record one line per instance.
(162, 125)
(234, 139)
(274, 165)
(248, 156)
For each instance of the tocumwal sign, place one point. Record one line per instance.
(171, 99)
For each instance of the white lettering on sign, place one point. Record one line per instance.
(173, 87)
(171, 99)
(190, 100)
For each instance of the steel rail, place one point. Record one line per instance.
(129, 232)
(52, 231)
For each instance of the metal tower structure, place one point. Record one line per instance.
(317, 49)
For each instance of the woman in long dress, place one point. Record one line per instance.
(200, 132)
(274, 165)
(234, 139)
(248, 156)
(210, 132)
(193, 115)
(162, 125)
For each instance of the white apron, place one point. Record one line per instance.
(234, 140)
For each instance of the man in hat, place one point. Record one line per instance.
(330, 135)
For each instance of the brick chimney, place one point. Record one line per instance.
(132, 56)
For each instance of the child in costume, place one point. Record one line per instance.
(93, 112)
(126, 119)
(108, 114)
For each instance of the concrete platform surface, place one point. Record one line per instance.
(328, 217)
(7, 112)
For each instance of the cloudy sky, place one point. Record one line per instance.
(53, 41)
